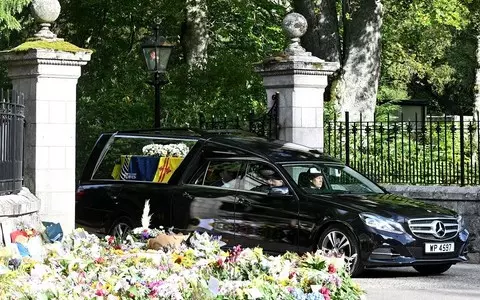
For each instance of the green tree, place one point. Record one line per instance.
(113, 90)
(9, 10)
(426, 52)
(425, 49)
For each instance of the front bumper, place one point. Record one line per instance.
(385, 249)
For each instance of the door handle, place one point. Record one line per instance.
(187, 195)
(244, 202)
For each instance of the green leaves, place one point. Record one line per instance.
(9, 10)
(420, 51)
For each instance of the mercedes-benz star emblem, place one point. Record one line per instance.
(439, 229)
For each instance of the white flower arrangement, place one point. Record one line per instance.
(174, 150)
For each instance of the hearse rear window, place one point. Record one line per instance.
(147, 159)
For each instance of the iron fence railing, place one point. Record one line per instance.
(11, 141)
(265, 125)
(438, 150)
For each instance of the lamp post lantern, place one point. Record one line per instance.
(157, 51)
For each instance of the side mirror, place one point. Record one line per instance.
(279, 191)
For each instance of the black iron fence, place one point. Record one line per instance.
(11, 141)
(265, 125)
(438, 150)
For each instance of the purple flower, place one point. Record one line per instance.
(153, 286)
(145, 234)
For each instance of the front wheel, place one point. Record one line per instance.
(340, 240)
(432, 269)
(120, 228)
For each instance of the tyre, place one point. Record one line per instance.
(340, 240)
(432, 269)
(120, 228)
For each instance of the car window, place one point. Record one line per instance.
(315, 178)
(260, 177)
(223, 174)
(142, 159)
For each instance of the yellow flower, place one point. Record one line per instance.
(284, 282)
(177, 258)
(269, 278)
(107, 286)
(118, 252)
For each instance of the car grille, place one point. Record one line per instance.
(434, 228)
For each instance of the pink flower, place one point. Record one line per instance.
(325, 292)
(99, 260)
(331, 268)
(220, 262)
(153, 286)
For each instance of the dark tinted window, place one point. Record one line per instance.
(219, 174)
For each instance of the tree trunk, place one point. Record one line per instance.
(195, 37)
(357, 86)
(322, 37)
(476, 89)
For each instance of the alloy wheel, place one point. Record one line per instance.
(339, 243)
(120, 230)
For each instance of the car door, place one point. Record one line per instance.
(206, 203)
(266, 216)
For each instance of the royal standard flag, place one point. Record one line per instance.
(166, 167)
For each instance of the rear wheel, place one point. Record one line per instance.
(120, 228)
(432, 269)
(340, 240)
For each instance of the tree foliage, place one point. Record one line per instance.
(9, 9)
(428, 51)
(114, 92)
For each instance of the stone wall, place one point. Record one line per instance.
(16, 209)
(464, 200)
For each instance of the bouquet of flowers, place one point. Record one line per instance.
(84, 266)
(174, 150)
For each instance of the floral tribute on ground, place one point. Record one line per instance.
(83, 266)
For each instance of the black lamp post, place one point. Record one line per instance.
(157, 52)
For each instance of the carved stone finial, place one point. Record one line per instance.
(295, 25)
(45, 12)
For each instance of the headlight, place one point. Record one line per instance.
(461, 223)
(381, 223)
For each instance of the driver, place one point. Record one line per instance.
(272, 179)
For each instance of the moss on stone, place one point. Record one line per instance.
(54, 45)
(318, 66)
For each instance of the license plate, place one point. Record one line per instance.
(439, 247)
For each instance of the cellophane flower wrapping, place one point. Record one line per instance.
(83, 266)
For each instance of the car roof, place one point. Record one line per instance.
(274, 150)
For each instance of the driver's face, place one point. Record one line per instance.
(275, 182)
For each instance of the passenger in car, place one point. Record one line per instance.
(313, 179)
(316, 179)
(227, 180)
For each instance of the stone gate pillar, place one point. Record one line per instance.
(46, 69)
(300, 79)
